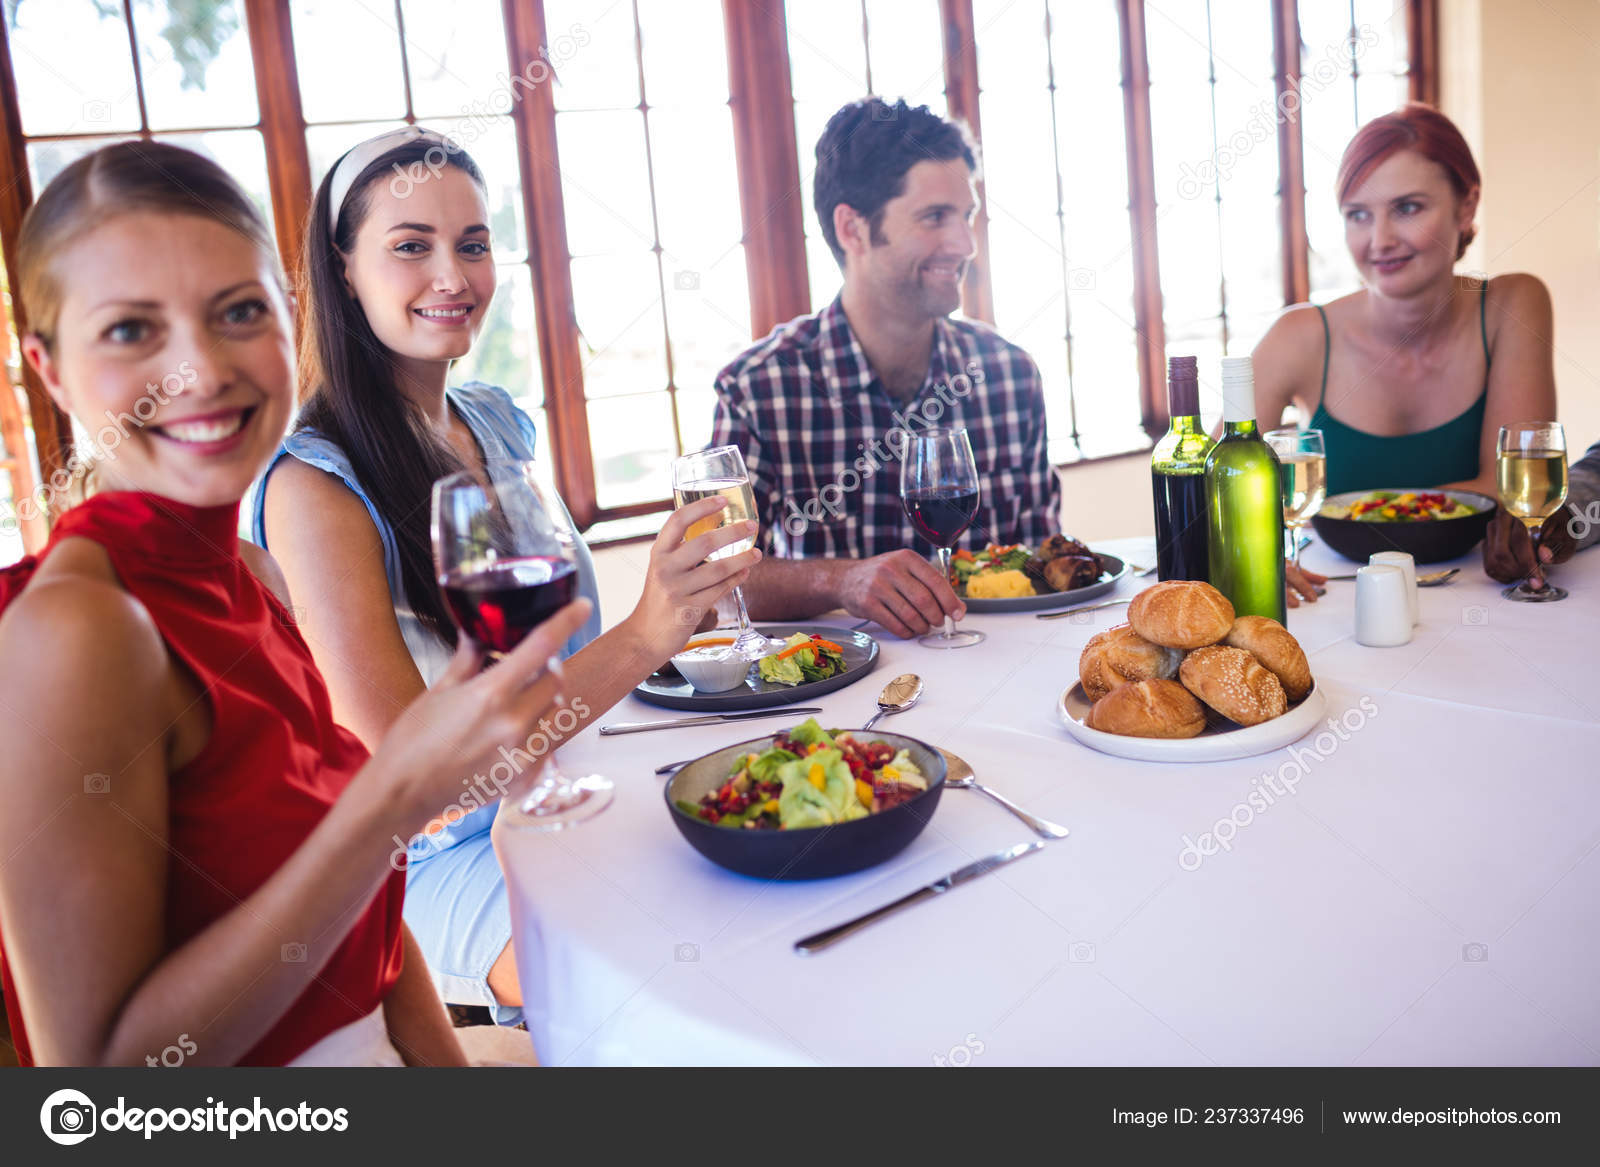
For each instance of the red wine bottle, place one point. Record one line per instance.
(1178, 479)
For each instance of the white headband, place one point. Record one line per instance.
(358, 158)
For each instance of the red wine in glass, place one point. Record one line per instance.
(939, 490)
(941, 517)
(499, 605)
(506, 557)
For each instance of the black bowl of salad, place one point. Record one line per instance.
(1432, 526)
(807, 803)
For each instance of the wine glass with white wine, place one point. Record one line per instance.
(1304, 458)
(721, 472)
(1531, 473)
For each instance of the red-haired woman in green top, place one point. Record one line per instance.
(1411, 378)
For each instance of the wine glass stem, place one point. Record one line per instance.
(944, 566)
(1535, 580)
(1291, 535)
(550, 778)
(744, 613)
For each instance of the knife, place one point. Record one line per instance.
(1084, 608)
(939, 886)
(707, 719)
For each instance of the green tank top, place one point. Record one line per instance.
(1358, 460)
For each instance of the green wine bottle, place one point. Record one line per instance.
(1244, 503)
(1178, 479)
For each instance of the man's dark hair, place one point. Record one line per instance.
(864, 154)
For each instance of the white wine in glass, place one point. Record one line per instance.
(1531, 474)
(1304, 458)
(721, 472)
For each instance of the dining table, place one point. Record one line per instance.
(1422, 887)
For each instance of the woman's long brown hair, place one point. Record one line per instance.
(351, 381)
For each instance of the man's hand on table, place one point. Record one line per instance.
(901, 591)
(1508, 551)
(1303, 584)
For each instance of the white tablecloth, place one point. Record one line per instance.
(1428, 894)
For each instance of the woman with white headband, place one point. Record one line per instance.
(399, 274)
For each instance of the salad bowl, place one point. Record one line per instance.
(1426, 540)
(805, 852)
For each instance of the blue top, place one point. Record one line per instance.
(503, 433)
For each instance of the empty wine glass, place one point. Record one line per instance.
(506, 556)
(939, 489)
(1304, 458)
(1531, 473)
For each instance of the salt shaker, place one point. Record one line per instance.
(1408, 566)
(1383, 618)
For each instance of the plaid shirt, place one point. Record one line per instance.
(822, 438)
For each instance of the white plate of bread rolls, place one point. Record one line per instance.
(1186, 681)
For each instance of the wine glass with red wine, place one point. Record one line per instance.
(506, 554)
(939, 488)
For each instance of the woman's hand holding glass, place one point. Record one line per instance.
(682, 582)
(457, 728)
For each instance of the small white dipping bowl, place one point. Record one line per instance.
(713, 669)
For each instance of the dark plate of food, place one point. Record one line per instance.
(807, 803)
(1018, 579)
(1432, 526)
(814, 660)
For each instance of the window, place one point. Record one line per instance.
(1056, 187)
(840, 51)
(427, 64)
(652, 214)
(1143, 190)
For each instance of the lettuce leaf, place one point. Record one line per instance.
(802, 804)
(810, 733)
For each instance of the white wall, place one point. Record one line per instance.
(1522, 80)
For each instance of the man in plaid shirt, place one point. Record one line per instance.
(822, 408)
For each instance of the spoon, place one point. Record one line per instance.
(959, 775)
(898, 695)
(1432, 579)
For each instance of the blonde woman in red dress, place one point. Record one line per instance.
(196, 849)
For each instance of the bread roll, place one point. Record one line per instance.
(1181, 614)
(1273, 645)
(1120, 654)
(1233, 683)
(1155, 708)
(1090, 663)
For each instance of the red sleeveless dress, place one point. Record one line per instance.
(275, 761)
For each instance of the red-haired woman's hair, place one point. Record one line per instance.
(1419, 128)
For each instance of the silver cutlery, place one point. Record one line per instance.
(1084, 608)
(1431, 579)
(959, 776)
(955, 879)
(708, 719)
(898, 695)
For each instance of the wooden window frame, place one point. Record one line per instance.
(761, 100)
